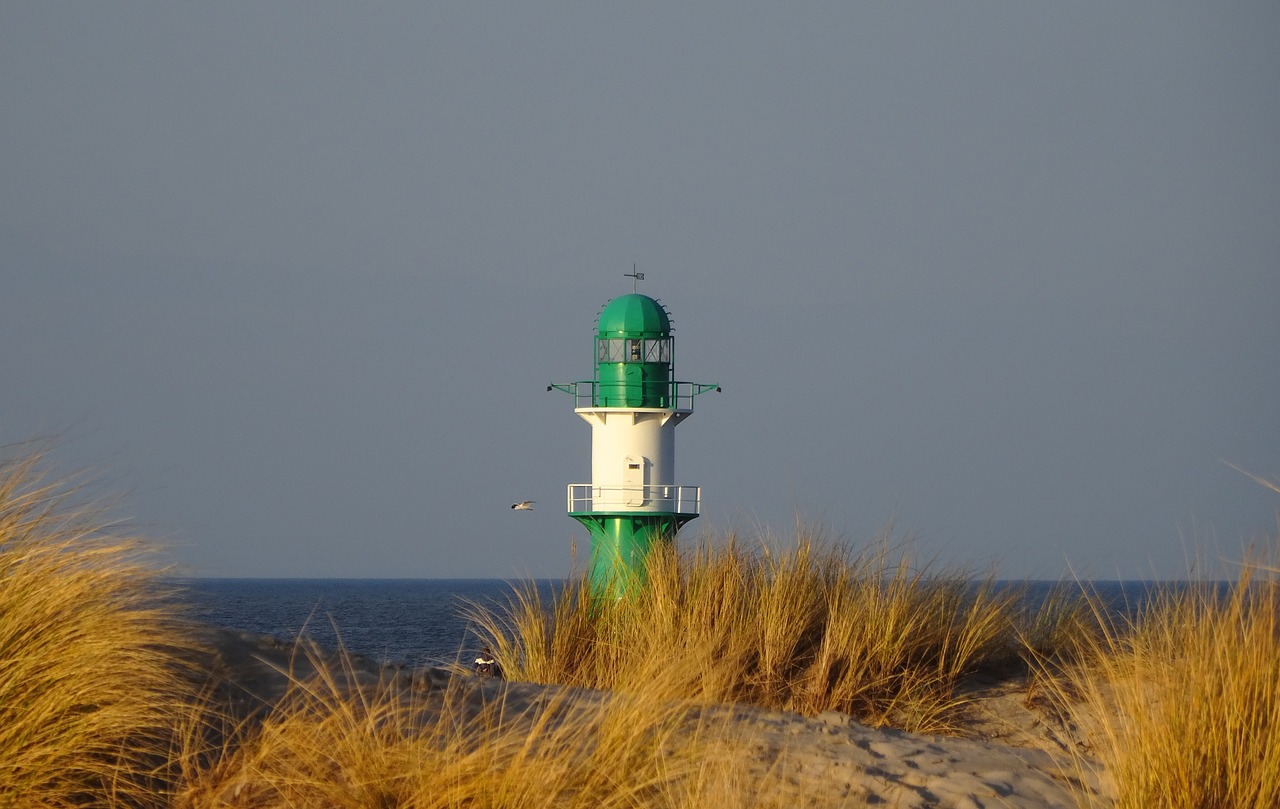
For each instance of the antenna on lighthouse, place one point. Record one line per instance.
(636, 277)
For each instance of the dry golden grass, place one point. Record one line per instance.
(1182, 705)
(92, 679)
(388, 745)
(99, 706)
(878, 635)
(1059, 632)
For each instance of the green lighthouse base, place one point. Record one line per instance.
(620, 544)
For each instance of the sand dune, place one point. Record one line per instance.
(1013, 755)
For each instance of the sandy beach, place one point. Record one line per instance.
(1010, 753)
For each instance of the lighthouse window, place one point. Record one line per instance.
(611, 350)
(657, 351)
(633, 350)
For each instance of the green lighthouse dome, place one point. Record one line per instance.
(633, 354)
(635, 316)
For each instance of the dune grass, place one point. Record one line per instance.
(92, 672)
(1181, 705)
(389, 744)
(100, 705)
(879, 634)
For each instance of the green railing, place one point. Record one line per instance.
(681, 396)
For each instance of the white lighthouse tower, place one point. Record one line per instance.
(633, 405)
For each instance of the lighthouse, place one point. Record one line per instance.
(633, 404)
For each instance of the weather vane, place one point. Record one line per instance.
(636, 277)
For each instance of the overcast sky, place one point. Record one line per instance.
(293, 277)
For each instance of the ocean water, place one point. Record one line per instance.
(423, 622)
(414, 621)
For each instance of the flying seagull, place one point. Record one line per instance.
(524, 505)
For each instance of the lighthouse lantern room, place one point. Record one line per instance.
(633, 502)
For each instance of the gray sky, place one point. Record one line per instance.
(294, 277)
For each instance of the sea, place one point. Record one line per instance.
(418, 622)
(423, 622)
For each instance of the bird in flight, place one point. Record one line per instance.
(524, 505)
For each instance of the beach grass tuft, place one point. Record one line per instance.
(94, 674)
(338, 741)
(1180, 705)
(878, 634)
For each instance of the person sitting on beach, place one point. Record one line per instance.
(487, 666)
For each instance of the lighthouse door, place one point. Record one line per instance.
(633, 480)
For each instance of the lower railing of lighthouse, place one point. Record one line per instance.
(585, 498)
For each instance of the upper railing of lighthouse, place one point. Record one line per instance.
(679, 395)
